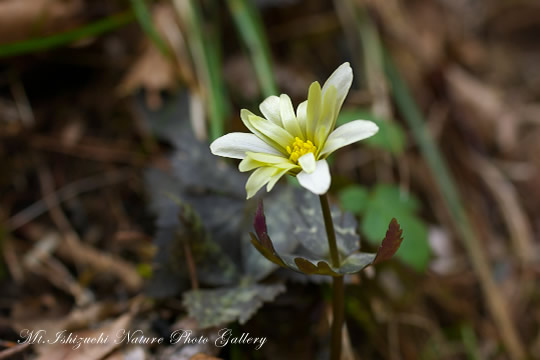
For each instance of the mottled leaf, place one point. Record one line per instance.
(178, 222)
(311, 264)
(278, 207)
(216, 307)
(311, 232)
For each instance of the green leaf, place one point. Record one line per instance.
(389, 197)
(216, 307)
(415, 251)
(391, 136)
(387, 202)
(354, 198)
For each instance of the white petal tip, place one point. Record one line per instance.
(318, 182)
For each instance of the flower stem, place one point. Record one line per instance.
(338, 290)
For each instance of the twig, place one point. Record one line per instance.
(40, 261)
(12, 262)
(7, 353)
(507, 199)
(23, 104)
(81, 253)
(104, 153)
(63, 194)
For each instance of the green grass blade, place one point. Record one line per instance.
(469, 340)
(205, 52)
(67, 37)
(437, 164)
(144, 17)
(251, 29)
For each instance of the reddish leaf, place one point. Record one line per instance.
(390, 243)
(259, 223)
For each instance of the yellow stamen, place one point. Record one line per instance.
(300, 148)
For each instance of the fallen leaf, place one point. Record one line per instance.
(201, 356)
(85, 351)
(152, 72)
(21, 19)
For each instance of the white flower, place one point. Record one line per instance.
(285, 142)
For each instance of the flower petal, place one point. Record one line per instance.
(307, 162)
(313, 109)
(275, 178)
(272, 131)
(327, 121)
(270, 108)
(347, 134)
(245, 115)
(288, 117)
(301, 115)
(258, 179)
(341, 79)
(317, 182)
(268, 158)
(249, 164)
(235, 145)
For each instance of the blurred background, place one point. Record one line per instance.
(105, 106)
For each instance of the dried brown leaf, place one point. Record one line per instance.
(201, 356)
(152, 72)
(20, 19)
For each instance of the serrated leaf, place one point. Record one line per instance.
(354, 198)
(314, 264)
(216, 307)
(390, 137)
(390, 243)
(350, 264)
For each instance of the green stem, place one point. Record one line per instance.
(338, 290)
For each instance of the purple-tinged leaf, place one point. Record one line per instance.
(259, 223)
(390, 243)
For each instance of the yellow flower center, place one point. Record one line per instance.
(299, 148)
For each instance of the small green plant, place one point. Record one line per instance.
(378, 206)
